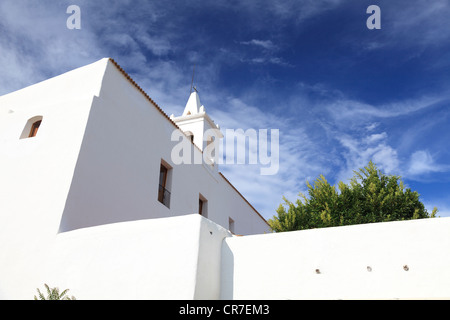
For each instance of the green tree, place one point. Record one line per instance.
(53, 294)
(371, 196)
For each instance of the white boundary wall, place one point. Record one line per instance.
(190, 257)
(283, 265)
(168, 258)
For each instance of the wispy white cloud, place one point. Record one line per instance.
(333, 134)
(372, 126)
(157, 45)
(348, 111)
(359, 151)
(36, 43)
(266, 44)
(359, 129)
(266, 55)
(278, 12)
(429, 20)
(376, 137)
(412, 26)
(422, 162)
(300, 157)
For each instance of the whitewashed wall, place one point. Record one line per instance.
(169, 258)
(190, 257)
(353, 262)
(96, 158)
(117, 173)
(35, 174)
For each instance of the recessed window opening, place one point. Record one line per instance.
(31, 127)
(190, 135)
(203, 206)
(34, 129)
(231, 224)
(164, 184)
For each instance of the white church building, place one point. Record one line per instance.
(92, 199)
(90, 147)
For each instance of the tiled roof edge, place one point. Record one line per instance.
(168, 118)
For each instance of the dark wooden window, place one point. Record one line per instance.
(163, 193)
(163, 176)
(34, 128)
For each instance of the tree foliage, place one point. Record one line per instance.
(53, 294)
(370, 197)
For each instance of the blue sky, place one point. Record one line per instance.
(339, 93)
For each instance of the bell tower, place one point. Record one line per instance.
(197, 125)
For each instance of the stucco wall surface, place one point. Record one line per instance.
(190, 257)
(116, 177)
(169, 258)
(392, 260)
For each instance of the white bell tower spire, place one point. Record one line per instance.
(197, 125)
(193, 105)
